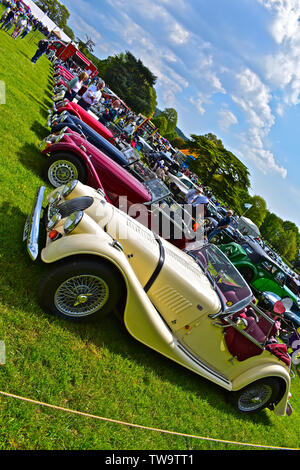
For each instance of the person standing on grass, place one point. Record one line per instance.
(3, 17)
(20, 26)
(27, 30)
(43, 46)
(8, 22)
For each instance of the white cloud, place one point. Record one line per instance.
(178, 35)
(253, 97)
(226, 119)
(198, 102)
(282, 68)
(285, 14)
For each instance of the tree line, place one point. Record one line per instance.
(229, 180)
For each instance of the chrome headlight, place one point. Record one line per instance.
(69, 188)
(59, 96)
(53, 117)
(59, 118)
(54, 221)
(72, 222)
(61, 104)
(46, 143)
(55, 198)
(52, 139)
(61, 135)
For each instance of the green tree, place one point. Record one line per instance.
(69, 32)
(289, 248)
(214, 138)
(56, 11)
(272, 229)
(242, 197)
(172, 117)
(287, 225)
(258, 211)
(219, 169)
(131, 80)
(161, 123)
(179, 142)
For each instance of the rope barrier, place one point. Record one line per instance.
(148, 428)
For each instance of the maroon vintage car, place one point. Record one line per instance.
(70, 156)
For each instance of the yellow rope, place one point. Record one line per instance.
(87, 415)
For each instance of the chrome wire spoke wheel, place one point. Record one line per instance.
(61, 172)
(255, 397)
(80, 296)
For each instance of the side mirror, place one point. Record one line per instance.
(279, 308)
(287, 302)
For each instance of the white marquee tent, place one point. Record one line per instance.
(40, 15)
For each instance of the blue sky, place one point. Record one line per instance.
(230, 67)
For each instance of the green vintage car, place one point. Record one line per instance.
(258, 269)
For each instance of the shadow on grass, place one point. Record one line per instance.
(44, 105)
(39, 130)
(49, 93)
(31, 158)
(25, 55)
(18, 275)
(110, 333)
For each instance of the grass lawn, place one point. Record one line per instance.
(101, 371)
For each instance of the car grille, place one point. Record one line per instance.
(79, 204)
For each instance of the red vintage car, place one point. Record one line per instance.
(85, 116)
(70, 156)
(76, 110)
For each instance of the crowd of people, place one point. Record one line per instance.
(22, 20)
(18, 19)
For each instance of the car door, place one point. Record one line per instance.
(271, 279)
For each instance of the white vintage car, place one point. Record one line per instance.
(192, 307)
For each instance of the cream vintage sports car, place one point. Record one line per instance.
(192, 307)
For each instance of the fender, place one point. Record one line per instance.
(245, 264)
(93, 178)
(69, 109)
(268, 370)
(66, 147)
(147, 327)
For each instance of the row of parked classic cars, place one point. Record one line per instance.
(177, 295)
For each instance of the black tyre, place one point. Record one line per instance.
(256, 396)
(247, 273)
(80, 289)
(63, 167)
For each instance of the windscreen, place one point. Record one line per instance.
(131, 155)
(234, 292)
(157, 189)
